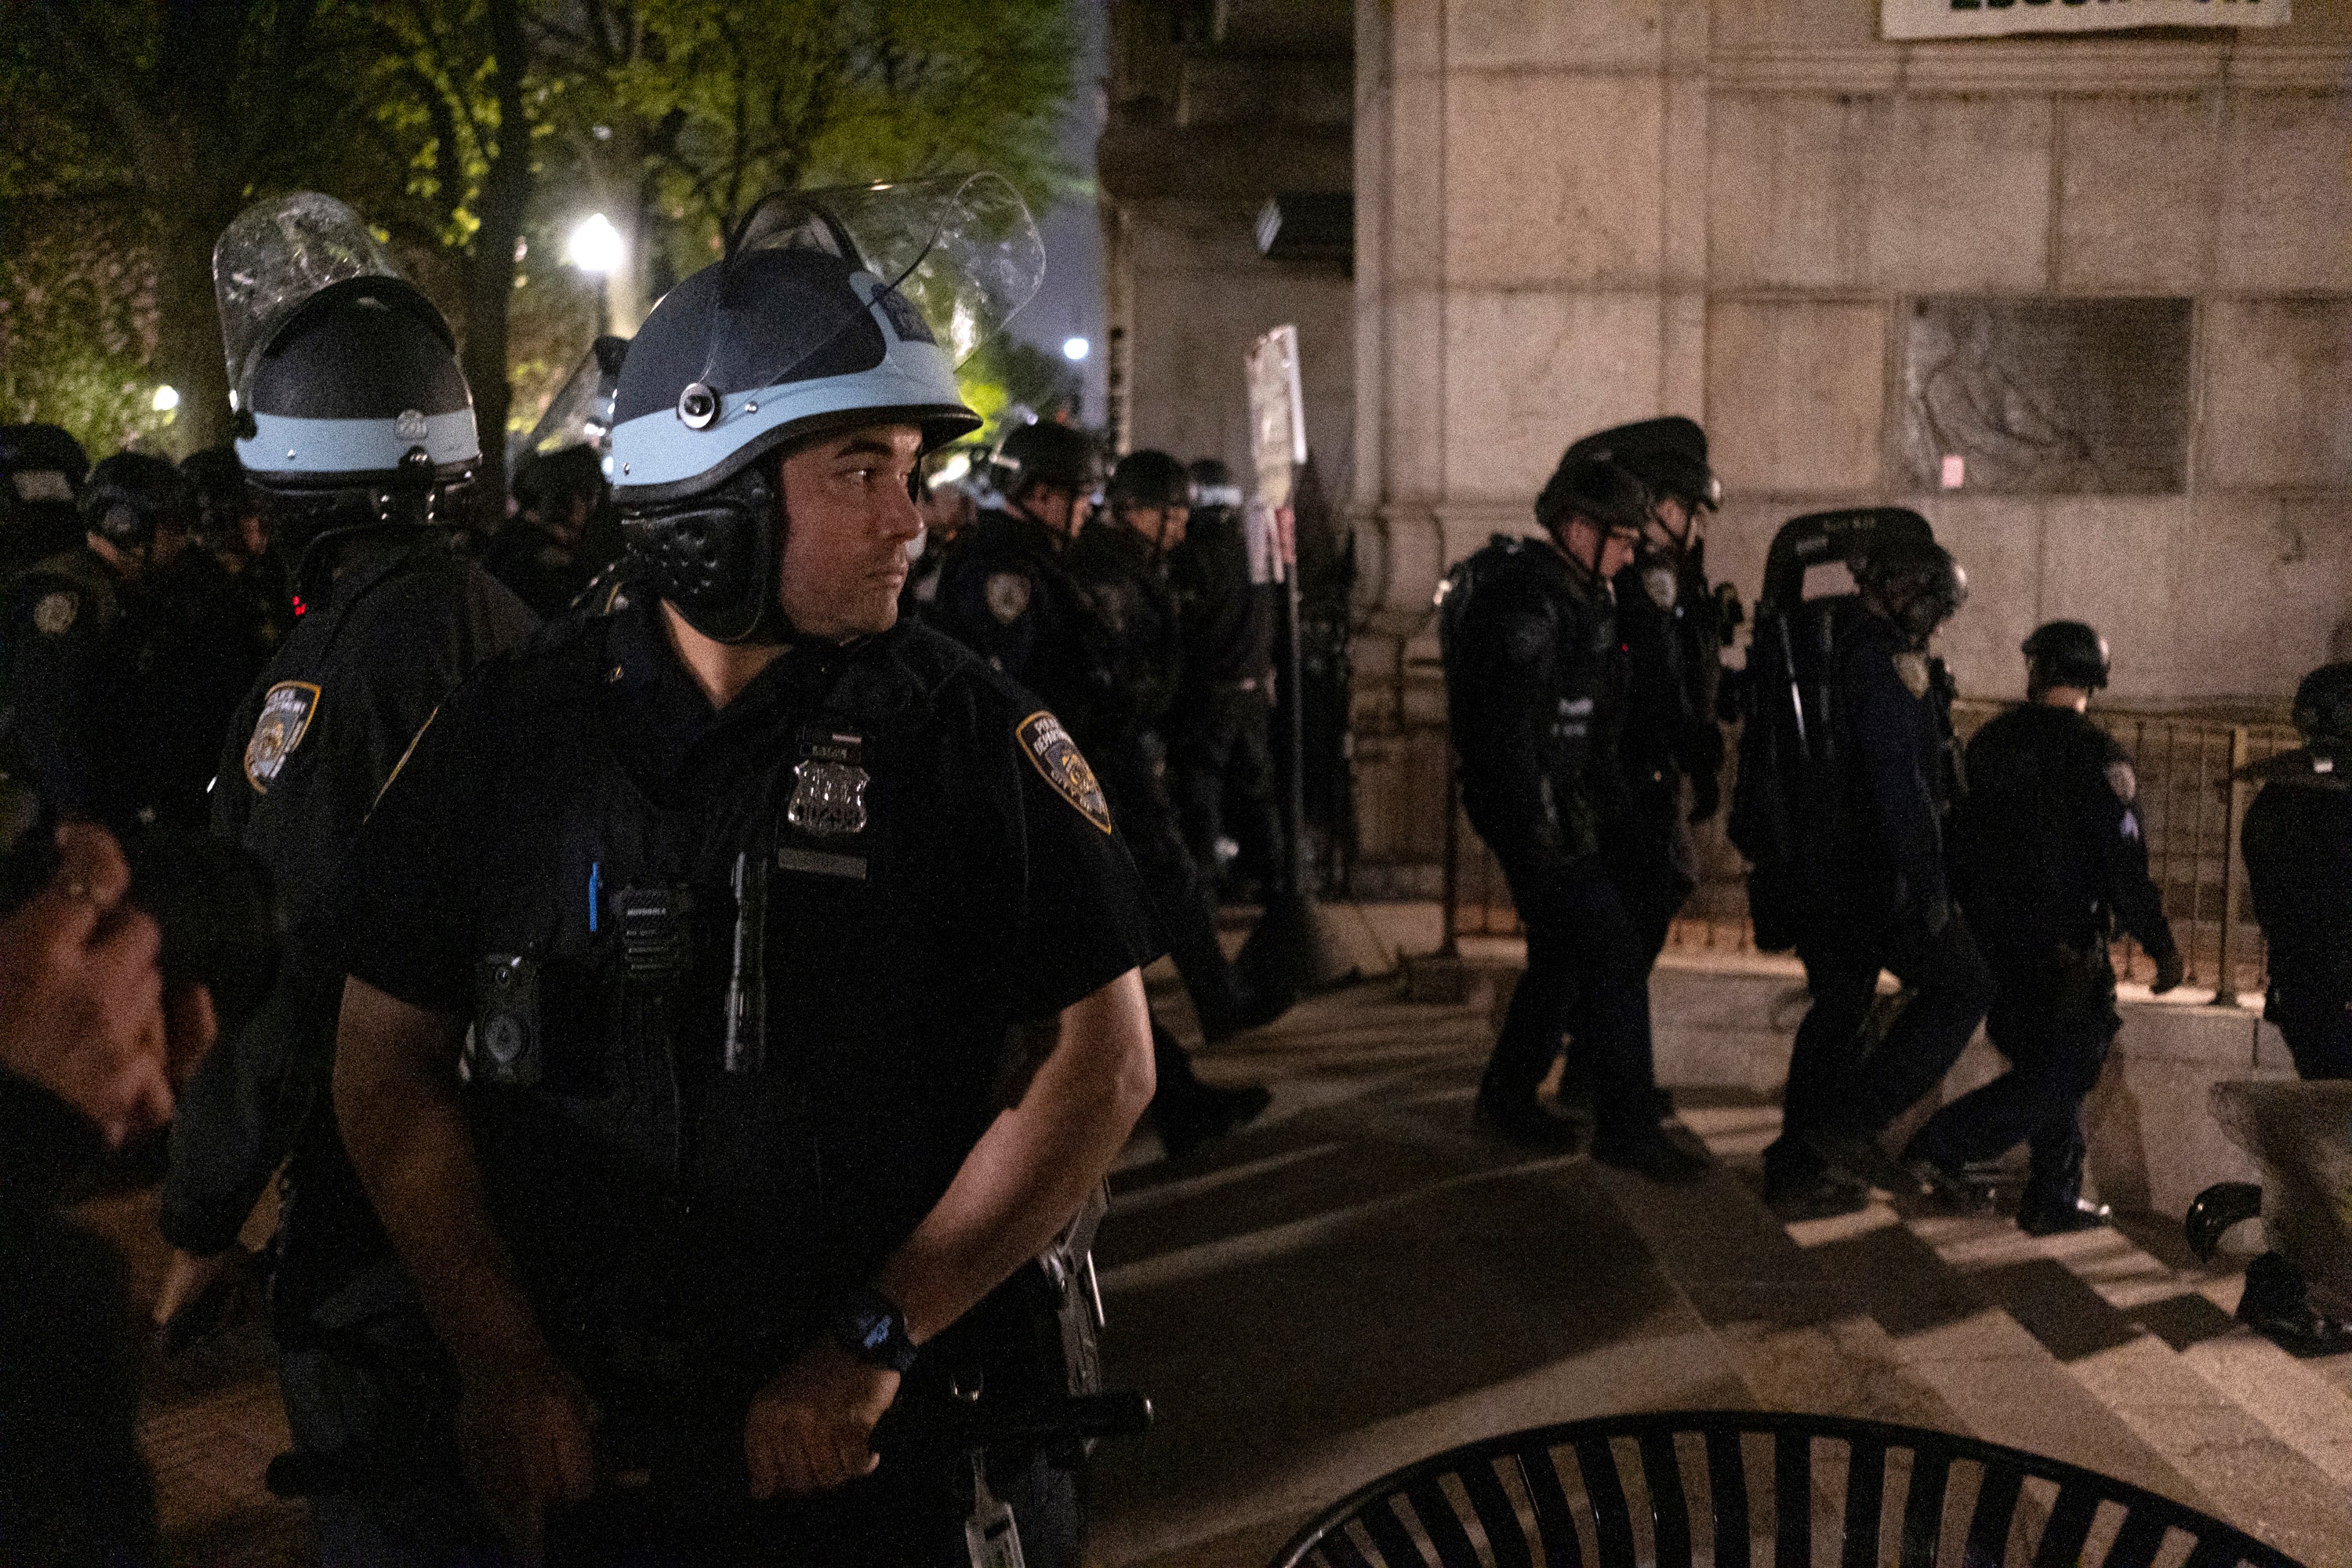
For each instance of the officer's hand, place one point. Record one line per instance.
(1707, 795)
(527, 1434)
(81, 997)
(809, 1429)
(2170, 970)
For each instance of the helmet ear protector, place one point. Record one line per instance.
(715, 555)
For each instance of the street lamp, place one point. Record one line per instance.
(1076, 349)
(595, 246)
(166, 399)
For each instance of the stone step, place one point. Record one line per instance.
(2236, 1425)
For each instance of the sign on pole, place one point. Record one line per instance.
(1999, 18)
(1277, 415)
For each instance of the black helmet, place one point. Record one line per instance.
(223, 499)
(132, 494)
(1149, 477)
(1046, 452)
(1594, 487)
(1669, 455)
(351, 410)
(41, 471)
(1214, 487)
(2066, 653)
(1916, 579)
(830, 310)
(2322, 704)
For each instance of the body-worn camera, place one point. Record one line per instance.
(213, 901)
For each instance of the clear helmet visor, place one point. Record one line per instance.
(273, 258)
(946, 260)
(581, 414)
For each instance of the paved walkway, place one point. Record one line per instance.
(1361, 1279)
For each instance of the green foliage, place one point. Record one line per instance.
(77, 331)
(1007, 373)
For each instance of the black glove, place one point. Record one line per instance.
(1707, 795)
(2172, 969)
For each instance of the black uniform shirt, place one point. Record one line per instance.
(543, 571)
(1534, 685)
(939, 866)
(2048, 843)
(1894, 781)
(78, 650)
(1228, 620)
(1126, 578)
(404, 619)
(1005, 593)
(1667, 621)
(2297, 840)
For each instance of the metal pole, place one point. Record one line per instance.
(2225, 990)
(1295, 807)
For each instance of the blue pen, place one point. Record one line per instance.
(595, 884)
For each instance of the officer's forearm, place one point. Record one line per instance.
(1035, 1164)
(396, 1102)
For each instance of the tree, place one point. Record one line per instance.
(170, 114)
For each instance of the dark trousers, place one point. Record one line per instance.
(1840, 1089)
(1588, 975)
(1131, 772)
(1221, 759)
(246, 1109)
(2313, 1012)
(2053, 1016)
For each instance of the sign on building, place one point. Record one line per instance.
(1994, 18)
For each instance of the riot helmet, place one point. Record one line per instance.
(41, 472)
(1596, 487)
(1916, 580)
(2066, 653)
(1669, 455)
(133, 498)
(223, 499)
(1046, 452)
(351, 408)
(1149, 478)
(2323, 705)
(829, 310)
(1214, 487)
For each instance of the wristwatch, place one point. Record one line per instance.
(869, 1326)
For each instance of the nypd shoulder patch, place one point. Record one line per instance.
(54, 616)
(1056, 756)
(286, 709)
(1008, 595)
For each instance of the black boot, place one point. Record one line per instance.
(1517, 1119)
(1648, 1151)
(2277, 1306)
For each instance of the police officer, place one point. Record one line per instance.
(1008, 592)
(801, 961)
(82, 667)
(231, 528)
(948, 508)
(2048, 857)
(1885, 903)
(2297, 843)
(358, 433)
(537, 552)
(1219, 751)
(1672, 631)
(1534, 687)
(41, 472)
(1120, 561)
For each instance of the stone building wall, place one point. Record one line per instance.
(1570, 215)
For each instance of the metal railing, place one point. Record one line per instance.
(2191, 804)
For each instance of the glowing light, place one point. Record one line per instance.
(958, 465)
(1075, 348)
(166, 399)
(595, 246)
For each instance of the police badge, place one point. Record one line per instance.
(1055, 757)
(285, 714)
(829, 787)
(54, 616)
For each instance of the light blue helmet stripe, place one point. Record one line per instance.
(284, 445)
(658, 450)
